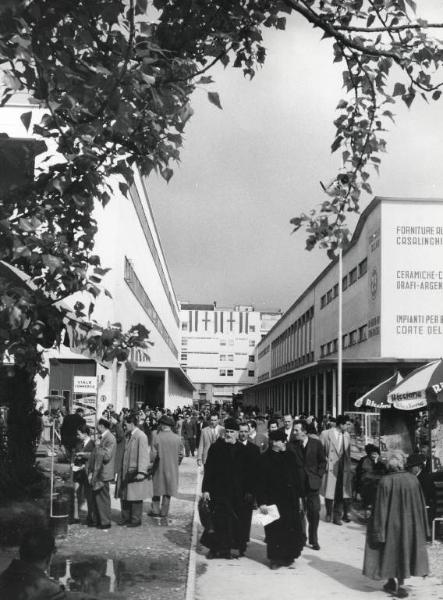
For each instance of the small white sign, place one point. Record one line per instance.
(85, 385)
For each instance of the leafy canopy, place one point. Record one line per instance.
(115, 78)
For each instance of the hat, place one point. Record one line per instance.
(165, 420)
(277, 436)
(415, 460)
(370, 448)
(230, 423)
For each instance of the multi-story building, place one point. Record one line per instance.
(140, 291)
(392, 288)
(218, 347)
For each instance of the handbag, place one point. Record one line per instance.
(205, 514)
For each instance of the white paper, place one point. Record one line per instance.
(258, 518)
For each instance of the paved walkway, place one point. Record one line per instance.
(333, 572)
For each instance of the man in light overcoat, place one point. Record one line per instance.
(337, 480)
(208, 436)
(132, 483)
(166, 455)
(100, 474)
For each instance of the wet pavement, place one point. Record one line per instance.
(144, 563)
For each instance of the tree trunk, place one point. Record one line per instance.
(20, 435)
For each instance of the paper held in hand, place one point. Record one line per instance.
(258, 518)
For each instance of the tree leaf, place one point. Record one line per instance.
(214, 98)
(26, 119)
(399, 89)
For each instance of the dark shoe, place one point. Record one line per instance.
(346, 519)
(390, 586)
(211, 554)
(328, 518)
(315, 547)
(121, 523)
(402, 593)
(287, 563)
(153, 514)
(91, 524)
(104, 526)
(225, 555)
(338, 522)
(133, 524)
(273, 565)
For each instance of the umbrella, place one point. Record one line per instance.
(419, 388)
(376, 398)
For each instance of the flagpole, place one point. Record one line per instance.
(340, 333)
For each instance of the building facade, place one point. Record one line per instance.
(218, 348)
(392, 291)
(139, 290)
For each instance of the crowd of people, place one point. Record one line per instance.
(290, 468)
(252, 462)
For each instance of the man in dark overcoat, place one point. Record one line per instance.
(225, 485)
(313, 460)
(189, 434)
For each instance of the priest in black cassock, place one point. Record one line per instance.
(226, 485)
(281, 484)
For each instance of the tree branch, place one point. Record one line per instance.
(390, 28)
(316, 20)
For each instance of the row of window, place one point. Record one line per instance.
(348, 280)
(263, 352)
(356, 336)
(139, 209)
(230, 372)
(293, 364)
(222, 357)
(293, 344)
(230, 342)
(139, 292)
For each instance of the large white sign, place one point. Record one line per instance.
(85, 385)
(412, 279)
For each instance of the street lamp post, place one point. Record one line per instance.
(340, 333)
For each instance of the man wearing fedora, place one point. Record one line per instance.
(166, 456)
(132, 485)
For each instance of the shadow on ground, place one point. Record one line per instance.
(348, 576)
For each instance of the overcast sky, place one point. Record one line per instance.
(246, 170)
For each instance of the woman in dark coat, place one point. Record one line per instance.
(396, 535)
(120, 437)
(281, 484)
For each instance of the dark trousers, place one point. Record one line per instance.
(341, 507)
(132, 511)
(189, 444)
(312, 508)
(102, 505)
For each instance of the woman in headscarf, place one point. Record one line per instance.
(396, 535)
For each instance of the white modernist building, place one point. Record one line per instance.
(392, 313)
(141, 292)
(218, 347)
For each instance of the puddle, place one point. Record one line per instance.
(102, 576)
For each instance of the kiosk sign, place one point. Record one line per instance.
(85, 385)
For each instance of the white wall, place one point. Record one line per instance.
(412, 279)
